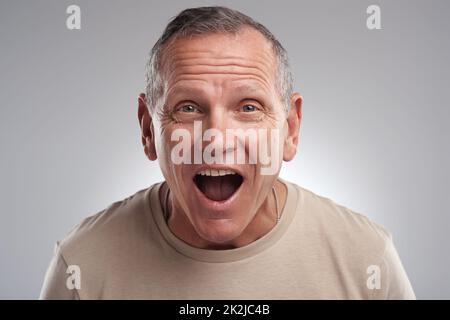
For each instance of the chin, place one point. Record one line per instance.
(219, 232)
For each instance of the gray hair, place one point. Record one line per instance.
(203, 20)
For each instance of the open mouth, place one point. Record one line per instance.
(218, 185)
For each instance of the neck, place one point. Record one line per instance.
(263, 221)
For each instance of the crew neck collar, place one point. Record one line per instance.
(226, 255)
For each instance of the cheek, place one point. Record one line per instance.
(167, 146)
(163, 150)
(269, 144)
(164, 142)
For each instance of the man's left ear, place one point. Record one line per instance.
(293, 127)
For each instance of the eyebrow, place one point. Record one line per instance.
(249, 88)
(185, 89)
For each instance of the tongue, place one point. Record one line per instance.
(218, 188)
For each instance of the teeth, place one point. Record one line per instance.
(215, 173)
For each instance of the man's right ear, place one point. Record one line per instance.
(147, 130)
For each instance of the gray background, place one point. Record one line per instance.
(374, 136)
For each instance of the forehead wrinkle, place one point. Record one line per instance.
(255, 83)
(186, 59)
(183, 45)
(252, 86)
(185, 79)
(191, 71)
(247, 76)
(259, 57)
(248, 86)
(188, 62)
(208, 67)
(261, 77)
(245, 41)
(182, 89)
(181, 60)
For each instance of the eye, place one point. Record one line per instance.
(249, 108)
(188, 108)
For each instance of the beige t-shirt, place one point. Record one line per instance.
(318, 250)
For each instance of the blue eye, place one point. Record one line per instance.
(249, 108)
(189, 108)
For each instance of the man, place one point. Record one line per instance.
(217, 227)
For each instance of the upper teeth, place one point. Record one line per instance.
(215, 173)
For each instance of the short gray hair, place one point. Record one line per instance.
(215, 19)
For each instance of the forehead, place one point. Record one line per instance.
(244, 55)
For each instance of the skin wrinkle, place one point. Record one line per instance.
(262, 60)
(232, 64)
(266, 51)
(181, 59)
(230, 69)
(193, 77)
(223, 61)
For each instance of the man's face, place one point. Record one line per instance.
(220, 81)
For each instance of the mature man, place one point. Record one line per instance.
(220, 116)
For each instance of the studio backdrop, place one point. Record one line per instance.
(374, 136)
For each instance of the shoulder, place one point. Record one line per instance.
(341, 229)
(101, 247)
(118, 227)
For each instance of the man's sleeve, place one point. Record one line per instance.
(395, 285)
(55, 283)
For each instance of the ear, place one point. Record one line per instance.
(293, 127)
(147, 130)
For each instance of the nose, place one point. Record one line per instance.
(215, 127)
(217, 119)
